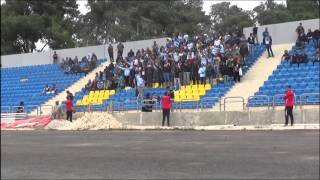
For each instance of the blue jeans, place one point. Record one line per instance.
(166, 77)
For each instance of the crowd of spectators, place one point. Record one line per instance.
(183, 60)
(299, 55)
(85, 65)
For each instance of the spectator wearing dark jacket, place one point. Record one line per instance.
(110, 52)
(20, 108)
(267, 41)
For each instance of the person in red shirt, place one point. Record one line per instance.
(69, 108)
(289, 102)
(166, 105)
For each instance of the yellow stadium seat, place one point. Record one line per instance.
(202, 92)
(106, 96)
(112, 92)
(195, 91)
(194, 86)
(196, 97)
(101, 96)
(189, 96)
(85, 97)
(207, 87)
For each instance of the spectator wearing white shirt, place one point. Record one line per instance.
(140, 86)
(202, 74)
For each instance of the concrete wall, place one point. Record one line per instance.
(28, 59)
(283, 32)
(264, 117)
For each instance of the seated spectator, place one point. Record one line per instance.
(317, 56)
(309, 35)
(46, 89)
(285, 56)
(20, 108)
(147, 103)
(57, 111)
(53, 89)
(299, 56)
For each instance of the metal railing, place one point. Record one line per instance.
(265, 100)
(306, 96)
(240, 99)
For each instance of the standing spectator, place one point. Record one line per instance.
(251, 42)
(126, 70)
(140, 86)
(255, 33)
(57, 111)
(236, 74)
(110, 52)
(202, 74)
(300, 30)
(166, 106)
(69, 108)
(177, 73)
(55, 58)
(69, 94)
(265, 33)
(289, 102)
(267, 41)
(120, 48)
(243, 52)
(20, 108)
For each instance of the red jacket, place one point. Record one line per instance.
(289, 98)
(166, 103)
(69, 105)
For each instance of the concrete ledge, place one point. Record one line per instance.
(239, 118)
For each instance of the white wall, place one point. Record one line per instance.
(283, 32)
(28, 59)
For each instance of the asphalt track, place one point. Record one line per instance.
(292, 154)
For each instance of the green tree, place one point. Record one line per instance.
(24, 22)
(226, 18)
(271, 13)
(303, 9)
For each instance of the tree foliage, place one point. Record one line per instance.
(24, 22)
(59, 24)
(226, 18)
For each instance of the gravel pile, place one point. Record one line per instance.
(89, 121)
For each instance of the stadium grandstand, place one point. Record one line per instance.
(199, 70)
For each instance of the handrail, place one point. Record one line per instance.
(4, 107)
(233, 97)
(282, 95)
(257, 96)
(306, 95)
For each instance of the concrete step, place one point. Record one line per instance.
(254, 78)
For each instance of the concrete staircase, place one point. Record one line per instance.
(75, 87)
(254, 78)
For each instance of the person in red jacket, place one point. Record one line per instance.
(166, 105)
(69, 108)
(289, 102)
